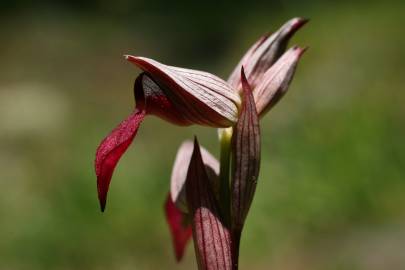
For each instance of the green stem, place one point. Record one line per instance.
(225, 138)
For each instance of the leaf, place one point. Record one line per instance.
(111, 149)
(245, 159)
(179, 226)
(211, 237)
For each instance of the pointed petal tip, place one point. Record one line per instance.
(196, 150)
(102, 197)
(245, 83)
(129, 57)
(299, 22)
(303, 50)
(196, 144)
(102, 207)
(294, 25)
(179, 227)
(300, 50)
(178, 256)
(134, 59)
(243, 77)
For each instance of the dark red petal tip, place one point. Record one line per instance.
(298, 23)
(292, 26)
(179, 226)
(302, 50)
(110, 151)
(245, 84)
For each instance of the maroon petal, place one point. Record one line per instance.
(246, 158)
(111, 149)
(180, 227)
(150, 97)
(276, 80)
(180, 168)
(199, 97)
(211, 237)
(234, 79)
(264, 54)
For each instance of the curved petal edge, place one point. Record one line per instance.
(111, 149)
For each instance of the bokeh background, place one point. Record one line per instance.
(331, 193)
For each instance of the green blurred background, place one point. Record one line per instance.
(331, 193)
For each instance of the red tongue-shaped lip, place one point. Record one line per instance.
(111, 149)
(179, 226)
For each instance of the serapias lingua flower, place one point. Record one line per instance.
(201, 186)
(271, 70)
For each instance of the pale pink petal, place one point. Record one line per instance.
(276, 80)
(180, 168)
(264, 54)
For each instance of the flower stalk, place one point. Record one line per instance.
(225, 140)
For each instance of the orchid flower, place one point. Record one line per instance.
(209, 199)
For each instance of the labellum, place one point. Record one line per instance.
(180, 96)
